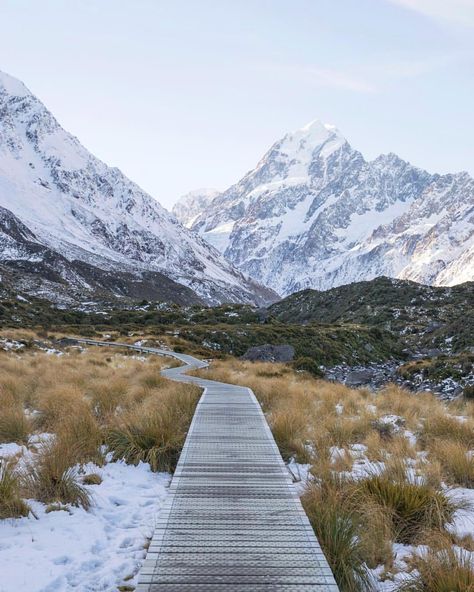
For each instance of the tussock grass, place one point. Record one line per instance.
(457, 462)
(52, 478)
(413, 508)
(11, 504)
(344, 431)
(401, 497)
(11, 385)
(394, 400)
(82, 435)
(14, 425)
(26, 335)
(376, 447)
(92, 479)
(86, 400)
(338, 532)
(152, 379)
(289, 427)
(155, 431)
(107, 394)
(441, 570)
(57, 403)
(343, 461)
(446, 427)
(375, 533)
(430, 471)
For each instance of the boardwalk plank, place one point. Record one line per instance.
(233, 520)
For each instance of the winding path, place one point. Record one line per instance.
(233, 520)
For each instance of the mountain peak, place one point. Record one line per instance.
(314, 213)
(313, 136)
(317, 126)
(200, 192)
(189, 206)
(12, 86)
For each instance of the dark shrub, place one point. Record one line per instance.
(308, 365)
(468, 392)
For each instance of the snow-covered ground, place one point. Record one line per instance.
(84, 551)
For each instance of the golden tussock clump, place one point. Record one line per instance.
(85, 403)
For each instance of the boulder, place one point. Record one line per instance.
(359, 377)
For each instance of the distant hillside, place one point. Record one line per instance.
(425, 315)
(360, 323)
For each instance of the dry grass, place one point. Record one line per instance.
(84, 400)
(14, 425)
(88, 399)
(11, 504)
(338, 531)
(92, 479)
(401, 498)
(441, 570)
(51, 477)
(107, 394)
(441, 426)
(83, 436)
(56, 402)
(289, 427)
(413, 508)
(457, 462)
(155, 430)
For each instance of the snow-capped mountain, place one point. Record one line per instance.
(82, 224)
(315, 214)
(190, 205)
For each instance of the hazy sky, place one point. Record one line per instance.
(183, 94)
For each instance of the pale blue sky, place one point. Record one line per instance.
(183, 94)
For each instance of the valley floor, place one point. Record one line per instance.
(388, 475)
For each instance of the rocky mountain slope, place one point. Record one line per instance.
(72, 226)
(190, 205)
(315, 214)
(27, 267)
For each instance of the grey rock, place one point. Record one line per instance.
(433, 326)
(359, 377)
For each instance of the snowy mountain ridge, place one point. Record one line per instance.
(81, 210)
(315, 214)
(190, 205)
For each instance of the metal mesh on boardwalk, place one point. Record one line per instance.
(233, 520)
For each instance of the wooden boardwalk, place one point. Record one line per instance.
(233, 520)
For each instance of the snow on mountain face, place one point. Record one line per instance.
(79, 208)
(190, 205)
(315, 214)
